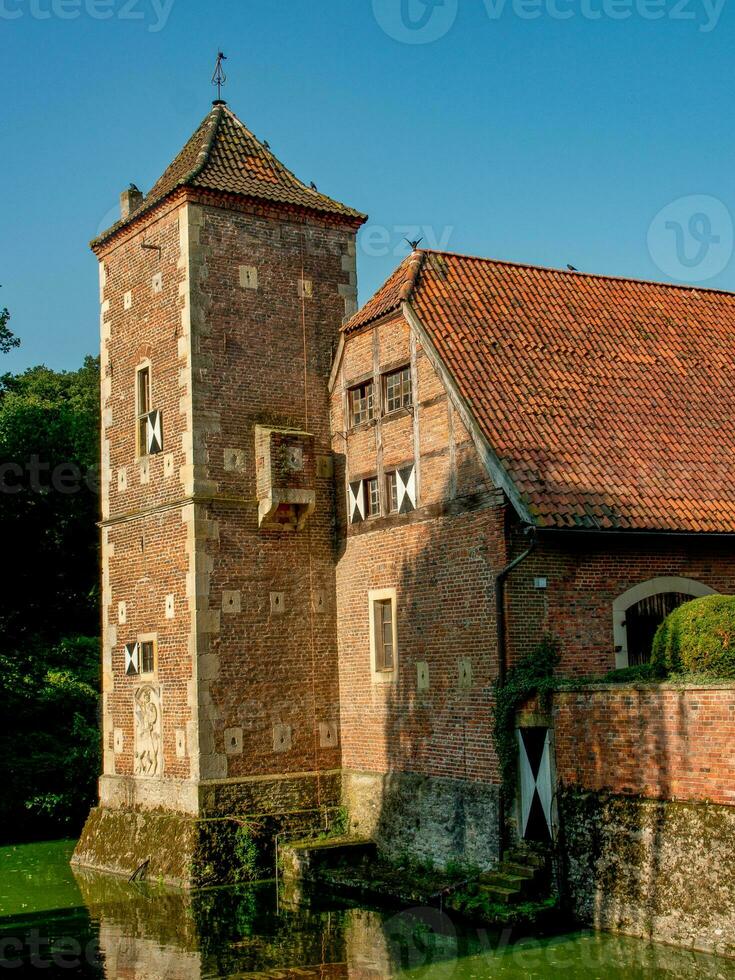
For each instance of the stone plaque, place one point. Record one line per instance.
(147, 727)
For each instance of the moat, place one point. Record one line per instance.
(60, 923)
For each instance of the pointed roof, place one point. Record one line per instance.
(224, 156)
(607, 402)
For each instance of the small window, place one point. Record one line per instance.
(372, 497)
(143, 407)
(391, 491)
(383, 635)
(397, 389)
(383, 612)
(147, 656)
(361, 403)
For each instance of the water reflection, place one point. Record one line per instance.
(113, 929)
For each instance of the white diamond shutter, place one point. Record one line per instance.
(528, 782)
(154, 433)
(406, 482)
(356, 499)
(534, 763)
(543, 782)
(132, 658)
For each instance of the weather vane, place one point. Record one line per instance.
(219, 78)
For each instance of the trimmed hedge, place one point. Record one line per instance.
(697, 638)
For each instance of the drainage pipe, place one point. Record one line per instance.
(500, 578)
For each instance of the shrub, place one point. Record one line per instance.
(697, 638)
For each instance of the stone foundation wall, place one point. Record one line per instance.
(657, 869)
(428, 817)
(199, 847)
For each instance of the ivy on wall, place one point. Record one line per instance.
(531, 676)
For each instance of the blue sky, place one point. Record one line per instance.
(593, 132)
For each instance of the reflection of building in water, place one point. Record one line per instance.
(146, 931)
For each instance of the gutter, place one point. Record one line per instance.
(634, 534)
(500, 578)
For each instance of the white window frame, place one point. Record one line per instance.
(380, 676)
(371, 514)
(406, 397)
(141, 449)
(368, 400)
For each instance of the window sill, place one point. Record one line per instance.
(362, 426)
(398, 413)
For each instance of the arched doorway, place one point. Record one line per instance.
(638, 612)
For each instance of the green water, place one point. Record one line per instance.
(59, 923)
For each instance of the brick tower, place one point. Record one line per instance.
(222, 294)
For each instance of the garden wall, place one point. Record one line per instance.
(646, 787)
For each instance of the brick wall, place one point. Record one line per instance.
(646, 801)
(662, 742)
(145, 563)
(261, 355)
(440, 558)
(584, 575)
(238, 316)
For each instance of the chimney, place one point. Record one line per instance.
(130, 200)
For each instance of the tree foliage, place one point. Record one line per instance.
(8, 340)
(49, 652)
(698, 637)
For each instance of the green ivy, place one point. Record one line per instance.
(532, 675)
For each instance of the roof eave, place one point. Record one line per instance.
(630, 532)
(354, 220)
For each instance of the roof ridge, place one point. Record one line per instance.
(414, 263)
(215, 116)
(224, 156)
(399, 289)
(694, 287)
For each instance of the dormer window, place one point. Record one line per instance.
(397, 389)
(361, 403)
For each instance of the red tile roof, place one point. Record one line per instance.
(609, 402)
(223, 155)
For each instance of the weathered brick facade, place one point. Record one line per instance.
(645, 793)
(234, 308)
(585, 573)
(663, 742)
(432, 715)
